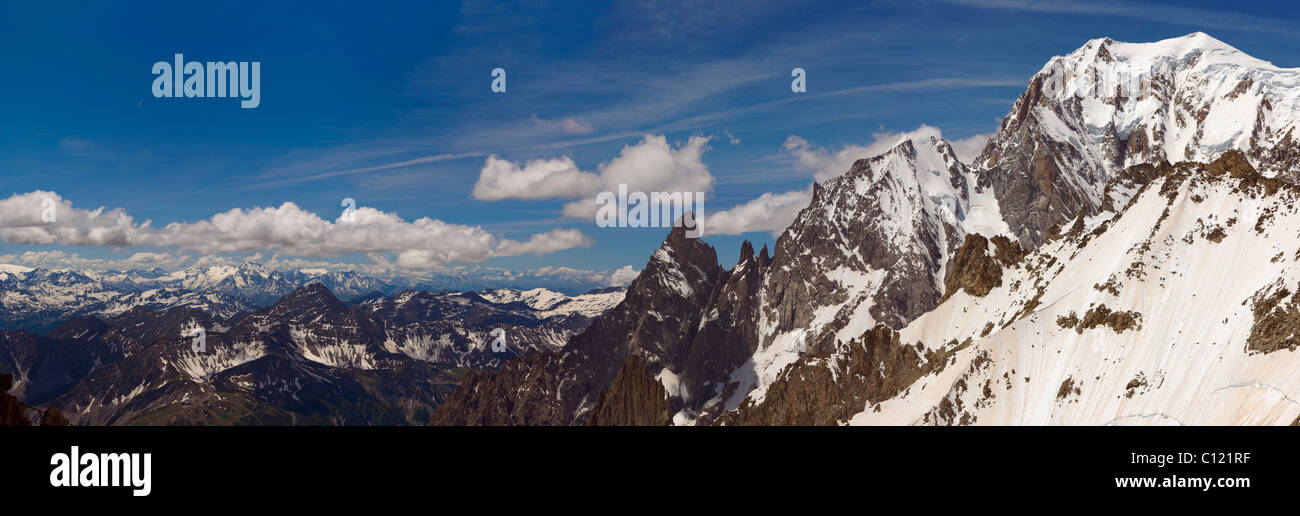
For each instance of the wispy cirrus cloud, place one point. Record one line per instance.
(1174, 14)
(423, 160)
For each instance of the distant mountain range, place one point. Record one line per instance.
(38, 299)
(307, 358)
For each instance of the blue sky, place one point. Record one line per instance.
(390, 104)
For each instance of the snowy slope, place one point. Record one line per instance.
(1189, 264)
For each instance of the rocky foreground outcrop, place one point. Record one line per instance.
(634, 398)
(15, 413)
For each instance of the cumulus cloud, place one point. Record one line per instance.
(23, 221)
(826, 163)
(422, 243)
(623, 276)
(769, 212)
(149, 258)
(967, 149)
(651, 165)
(56, 259)
(823, 163)
(537, 179)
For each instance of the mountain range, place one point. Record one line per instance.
(307, 358)
(1123, 251)
(37, 299)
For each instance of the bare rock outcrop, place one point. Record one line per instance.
(634, 398)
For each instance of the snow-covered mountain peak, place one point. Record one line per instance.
(1111, 105)
(550, 303)
(1196, 49)
(537, 298)
(10, 271)
(1181, 99)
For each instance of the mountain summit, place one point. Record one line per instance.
(1110, 105)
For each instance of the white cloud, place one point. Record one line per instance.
(623, 276)
(826, 164)
(537, 179)
(967, 149)
(54, 260)
(569, 125)
(422, 243)
(651, 165)
(769, 212)
(21, 222)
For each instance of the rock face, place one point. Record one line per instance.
(978, 271)
(14, 412)
(827, 388)
(11, 410)
(1276, 315)
(634, 398)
